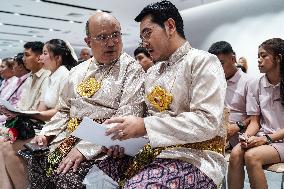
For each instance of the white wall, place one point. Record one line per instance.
(243, 23)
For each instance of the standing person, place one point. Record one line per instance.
(236, 92)
(109, 84)
(265, 104)
(12, 167)
(185, 92)
(143, 57)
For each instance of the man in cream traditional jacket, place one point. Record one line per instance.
(185, 92)
(109, 84)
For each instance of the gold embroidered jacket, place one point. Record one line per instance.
(121, 94)
(193, 82)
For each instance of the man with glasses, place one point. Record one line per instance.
(109, 84)
(185, 92)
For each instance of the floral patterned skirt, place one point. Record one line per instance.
(160, 174)
(73, 180)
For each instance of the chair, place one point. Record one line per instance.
(276, 168)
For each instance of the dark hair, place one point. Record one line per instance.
(9, 62)
(19, 58)
(59, 48)
(87, 30)
(35, 46)
(161, 12)
(242, 68)
(221, 47)
(141, 50)
(275, 47)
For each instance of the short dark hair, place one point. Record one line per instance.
(19, 58)
(161, 12)
(141, 50)
(35, 46)
(221, 47)
(87, 29)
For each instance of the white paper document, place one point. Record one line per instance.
(93, 132)
(11, 108)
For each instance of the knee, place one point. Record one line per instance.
(7, 149)
(236, 156)
(252, 158)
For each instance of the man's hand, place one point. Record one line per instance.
(126, 127)
(114, 151)
(72, 160)
(40, 140)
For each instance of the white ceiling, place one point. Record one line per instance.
(31, 20)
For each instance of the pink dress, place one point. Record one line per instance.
(264, 99)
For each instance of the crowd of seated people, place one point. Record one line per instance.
(175, 96)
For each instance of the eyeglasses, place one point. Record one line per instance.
(145, 36)
(103, 39)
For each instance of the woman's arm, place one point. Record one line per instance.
(278, 135)
(253, 126)
(45, 113)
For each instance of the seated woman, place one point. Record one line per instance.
(9, 84)
(22, 73)
(57, 57)
(15, 89)
(265, 104)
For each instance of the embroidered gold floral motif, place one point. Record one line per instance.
(89, 87)
(72, 124)
(160, 98)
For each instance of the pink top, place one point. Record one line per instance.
(264, 99)
(236, 95)
(18, 92)
(8, 87)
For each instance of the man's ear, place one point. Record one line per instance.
(38, 57)
(170, 26)
(88, 41)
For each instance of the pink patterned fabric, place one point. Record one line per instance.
(19, 91)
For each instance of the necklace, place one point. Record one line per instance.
(89, 87)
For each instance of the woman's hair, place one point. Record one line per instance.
(59, 48)
(19, 58)
(9, 62)
(275, 47)
(244, 64)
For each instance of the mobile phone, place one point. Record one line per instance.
(35, 148)
(242, 138)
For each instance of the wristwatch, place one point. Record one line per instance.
(240, 125)
(269, 139)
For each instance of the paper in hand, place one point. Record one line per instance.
(93, 132)
(11, 108)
